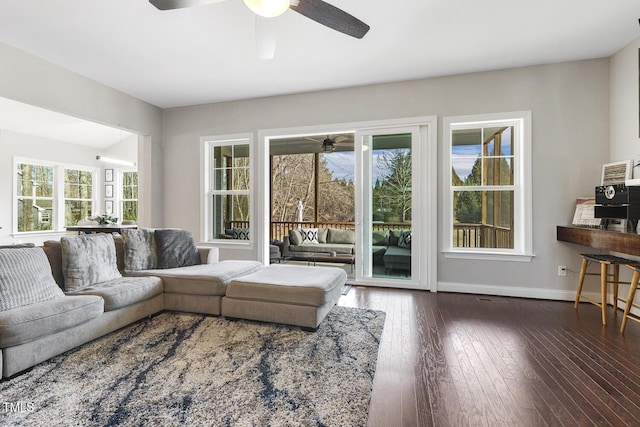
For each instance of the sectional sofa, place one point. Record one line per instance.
(69, 292)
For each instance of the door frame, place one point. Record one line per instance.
(425, 276)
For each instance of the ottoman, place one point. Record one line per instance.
(289, 294)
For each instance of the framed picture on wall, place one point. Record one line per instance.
(108, 175)
(108, 191)
(616, 172)
(108, 207)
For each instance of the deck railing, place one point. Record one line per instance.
(481, 236)
(281, 229)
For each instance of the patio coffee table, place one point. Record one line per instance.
(322, 257)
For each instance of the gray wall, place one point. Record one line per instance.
(570, 109)
(31, 80)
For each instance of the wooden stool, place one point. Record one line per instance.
(629, 300)
(605, 261)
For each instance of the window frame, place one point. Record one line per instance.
(58, 198)
(120, 194)
(522, 186)
(208, 143)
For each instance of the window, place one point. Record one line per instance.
(129, 201)
(51, 196)
(229, 189)
(488, 194)
(78, 195)
(35, 199)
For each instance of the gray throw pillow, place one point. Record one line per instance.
(295, 237)
(176, 248)
(341, 236)
(25, 278)
(322, 235)
(139, 249)
(88, 260)
(380, 238)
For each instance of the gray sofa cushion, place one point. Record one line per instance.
(341, 236)
(24, 324)
(295, 237)
(290, 284)
(339, 248)
(204, 279)
(124, 291)
(139, 249)
(176, 248)
(397, 257)
(88, 260)
(25, 278)
(322, 235)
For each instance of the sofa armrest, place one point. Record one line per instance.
(209, 254)
(286, 242)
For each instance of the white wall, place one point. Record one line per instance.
(31, 80)
(625, 142)
(570, 108)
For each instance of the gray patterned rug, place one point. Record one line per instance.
(176, 369)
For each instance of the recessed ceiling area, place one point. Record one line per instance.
(207, 53)
(27, 119)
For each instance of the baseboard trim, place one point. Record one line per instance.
(508, 291)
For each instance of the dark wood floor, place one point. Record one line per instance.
(467, 360)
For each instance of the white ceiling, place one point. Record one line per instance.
(206, 54)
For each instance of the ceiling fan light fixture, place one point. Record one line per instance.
(268, 8)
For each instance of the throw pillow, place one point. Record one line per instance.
(323, 233)
(309, 236)
(341, 236)
(240, 233)
(295, 238)
(404, 241)
(25, 278)
(88, 260)
(176, 248)
(379, 238)
(139, 249)
(393, 238)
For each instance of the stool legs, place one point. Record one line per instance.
(603, 291)
(632, 294)
(583, 271)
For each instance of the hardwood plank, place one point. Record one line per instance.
(462, 360)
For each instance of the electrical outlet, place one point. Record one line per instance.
(562, 270)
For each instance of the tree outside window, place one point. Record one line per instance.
(35, 197)
(129, 196)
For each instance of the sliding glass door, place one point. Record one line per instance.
(387, 206)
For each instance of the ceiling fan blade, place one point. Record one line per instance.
(332, 17)
(179, 4)
(266, 37)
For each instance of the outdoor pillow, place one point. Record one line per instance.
(176, 248)
(404, 240)
(309, 236)
(379, 238)
(323, 233)
(295, 237)
(240, 233)
(139, 249)
(25, 278)
(393, 238)
(88, 260)
(341, 236)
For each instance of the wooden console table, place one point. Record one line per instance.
(617, 241)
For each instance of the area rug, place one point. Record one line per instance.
(187, 369)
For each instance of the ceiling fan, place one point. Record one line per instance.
(329, 144)
(316, 10)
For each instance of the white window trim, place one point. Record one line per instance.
(119, 195)
(523, 214)
(206, 143)
(58, 194)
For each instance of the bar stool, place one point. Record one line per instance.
(605, 261)
(629, 301)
